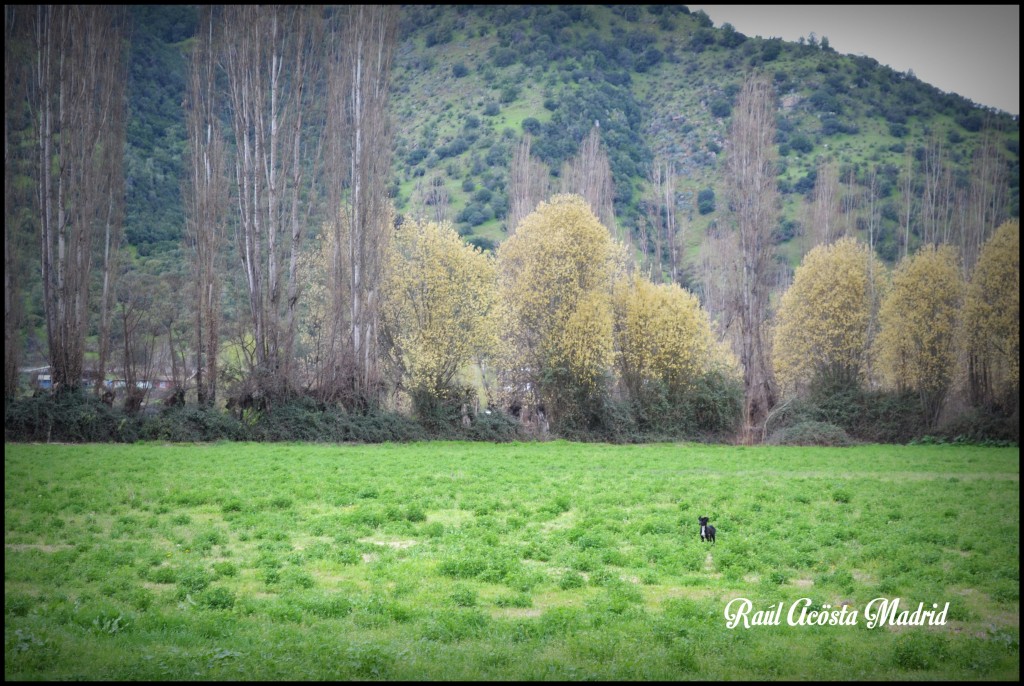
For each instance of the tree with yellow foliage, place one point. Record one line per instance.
(555, 277)
(438, 307)
(916, 345)
(662, 335)
(825, 321)
(992, 320)
(667, 360)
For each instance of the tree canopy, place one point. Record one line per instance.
(439, 305)
(916, 344)
(555, 276)
(992, 317)
(826, 317)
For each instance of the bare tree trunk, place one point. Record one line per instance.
(113, 162)
(907, 194)
(76, 94)
(309, 53)
(430, 199)
(529, 181)
(15, 24)
(360, 148)
(873, 222)
(987, 198)
(825, 208)
(674, 234)
(655, 210)
(206, 199)
(931, 201)
(589, 174)
(665, 228)
(268, 55)
(753, 195)
(138, 337)
(437, 199)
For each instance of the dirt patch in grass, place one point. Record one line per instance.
(656, 595)
(516, 612)
(153, 586)
(449, 517)
(863, 577)
(562, 521)
(41, 547)
(396, 545)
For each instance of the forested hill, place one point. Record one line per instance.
(470, 81)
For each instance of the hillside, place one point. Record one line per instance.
(469, 81)
(661, 81)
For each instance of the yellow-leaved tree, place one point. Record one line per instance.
(678, 379)
(826, 318)
(662, 334)
(555, 277)
(992, 321)
(916, 345)
(438, 309)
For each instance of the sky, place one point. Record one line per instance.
(973, 51)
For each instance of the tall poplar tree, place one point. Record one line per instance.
(75, 92)
(359, 162)
(205, 194)
(270, 56)
(753, 212)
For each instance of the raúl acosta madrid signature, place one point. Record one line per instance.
(739, 612)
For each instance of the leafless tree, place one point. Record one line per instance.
(113, 164)
(824, 215)
(665, 227)
(206, 203)
(75, 93)
(430, 200)
(139, 332)
(359, 159)
(15, 25)
(935, 175)
(529, 182)
(753, 210)
(589, 174)
(268, 54)
(987, 198)
(909, 198)
(171, 318)
(719, 258)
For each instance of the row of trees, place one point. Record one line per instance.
(934, 206)
(570, 326)
(557, 321)
(286, 114)
(65, 87)
(925, 328)
(288, 128)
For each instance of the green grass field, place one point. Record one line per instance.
(516, 561)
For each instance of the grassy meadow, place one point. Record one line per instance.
(502, 561)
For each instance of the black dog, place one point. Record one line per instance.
(707, 532)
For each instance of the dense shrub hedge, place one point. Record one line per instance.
(864, 416)
(827, 416)
(811, 433)
(81, 418)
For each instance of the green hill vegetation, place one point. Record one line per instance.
(469, 81)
